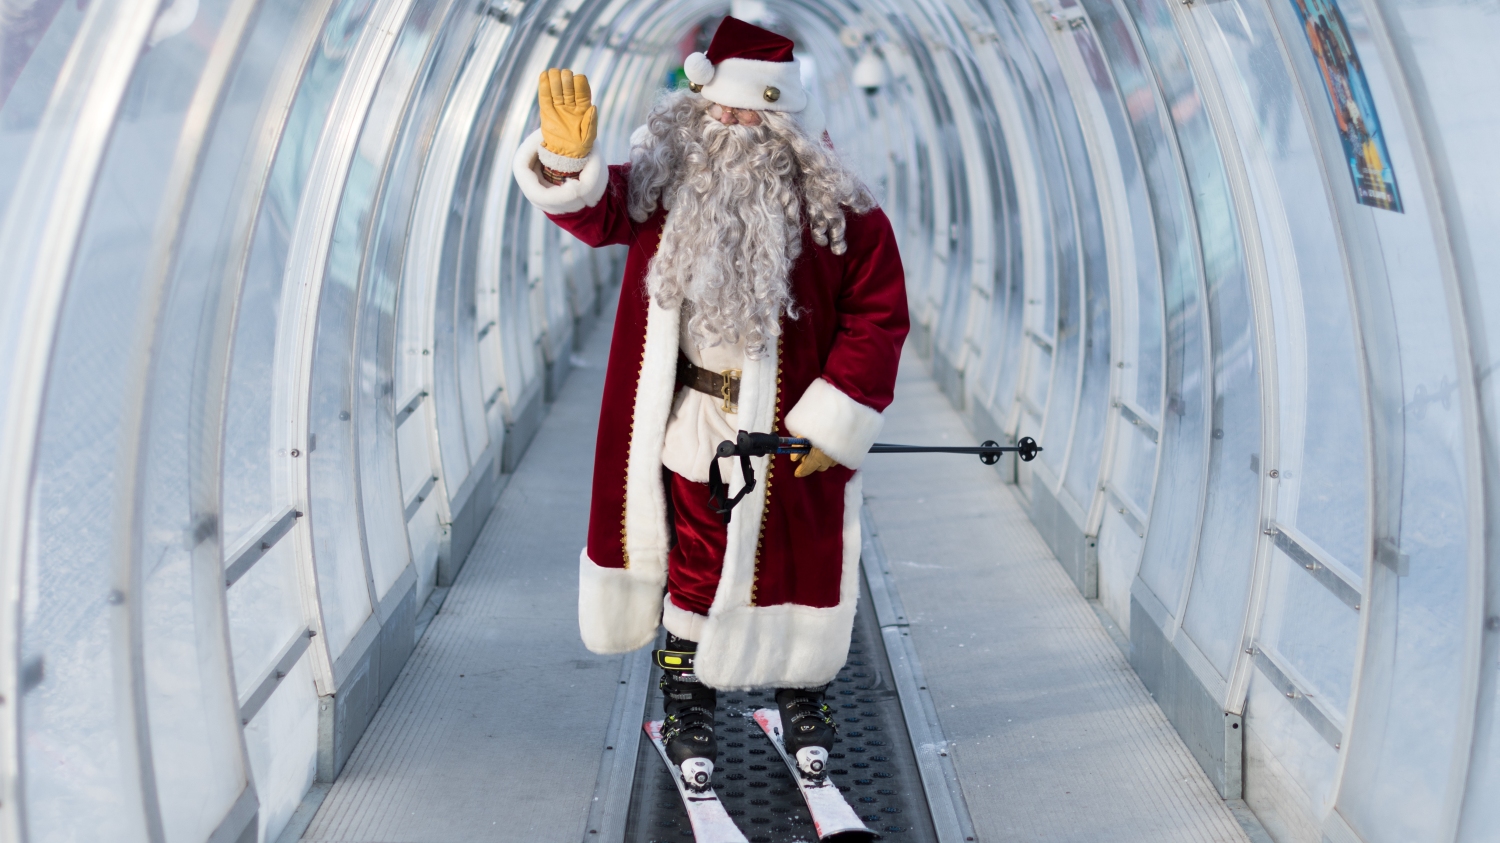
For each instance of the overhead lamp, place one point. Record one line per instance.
(870, 73)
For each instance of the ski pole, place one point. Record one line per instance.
(761, 444)
(748, 445)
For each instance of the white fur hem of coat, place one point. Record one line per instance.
(572, 195)
(681, 622)
(785, 646)
(837, 424)
(619, 609)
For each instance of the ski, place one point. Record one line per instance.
(711, 823)
(831, 815)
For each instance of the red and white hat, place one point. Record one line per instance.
(750, 67)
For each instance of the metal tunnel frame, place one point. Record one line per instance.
(276, 324)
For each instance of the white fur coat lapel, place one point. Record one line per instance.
(646, 529)
(647, 533)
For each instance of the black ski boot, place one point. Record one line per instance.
(688, 731)
(807, 728)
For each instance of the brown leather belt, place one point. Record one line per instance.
(723, 385)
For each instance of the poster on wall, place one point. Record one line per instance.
(1353, 107)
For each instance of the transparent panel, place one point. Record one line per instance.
(34, 42)
(1322, 488)
(432, 265)
(997, 371)
(1175, 506)
(1410, 727)
(1135, 465)
(1323, 441)
(282, 742)
(1221, 577)
(334, 506)
(522, 363)
(1087, 447)
(447, 390)
(332, 514)
(1314, 632)
(78, 747)
(1452, 46)
(1082, 338)
(373, 370)
(265, 612)
(956, 284)
(1140, 300)
(190, 706)
(255, 457)
(1038, 374)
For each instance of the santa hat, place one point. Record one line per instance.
(750, 67)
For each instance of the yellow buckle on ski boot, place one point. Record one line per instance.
(673, 660)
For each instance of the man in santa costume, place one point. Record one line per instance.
(763, 292)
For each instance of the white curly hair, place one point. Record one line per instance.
(738, 198)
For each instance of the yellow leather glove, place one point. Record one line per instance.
(812, 462)
(570, 122)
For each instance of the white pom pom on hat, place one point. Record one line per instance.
(748, 67)
(699, 70)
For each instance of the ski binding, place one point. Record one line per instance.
(831, 815)
(711, 823)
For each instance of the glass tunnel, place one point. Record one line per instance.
(279, 326)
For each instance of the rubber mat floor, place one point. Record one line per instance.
(872, 761)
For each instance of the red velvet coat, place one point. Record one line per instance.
(784, 608)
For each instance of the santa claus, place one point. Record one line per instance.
(763, 292)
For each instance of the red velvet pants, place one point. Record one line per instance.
(697, 558)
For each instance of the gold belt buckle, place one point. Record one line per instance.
(726, 389)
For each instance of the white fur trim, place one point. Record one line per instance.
(837, 424)
(699, 70)
(619, 609)
(560, 163)
(572, 195)
(639, 137)
(742, 83)
(785, 646)
(646, 529)
(681, 622)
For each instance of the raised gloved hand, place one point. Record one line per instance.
(812, 462)
(570, 121)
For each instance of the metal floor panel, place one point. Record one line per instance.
(1053, 736)
(872, 761)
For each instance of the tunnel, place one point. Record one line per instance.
(300, 392)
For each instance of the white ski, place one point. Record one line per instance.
(711, 823)
(831, 815)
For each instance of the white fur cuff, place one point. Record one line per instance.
(619, 610)
(572, 195)
(681, 622)
(560, 163)
(837, 424)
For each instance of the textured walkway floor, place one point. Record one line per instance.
(1053, 736)
(494, 730)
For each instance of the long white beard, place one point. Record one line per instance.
(733, 231)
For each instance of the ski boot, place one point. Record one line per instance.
(807, 729)
(688, 731)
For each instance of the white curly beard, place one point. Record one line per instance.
(735, 197)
